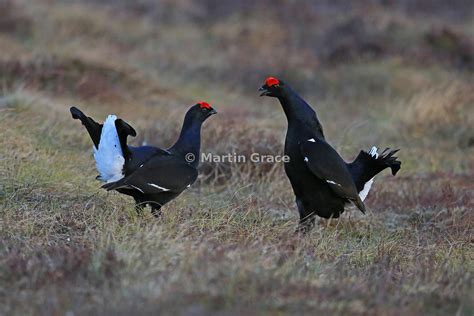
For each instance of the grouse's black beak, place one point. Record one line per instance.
(264, 91)
(212, 111)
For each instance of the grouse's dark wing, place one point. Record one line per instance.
(140, 155)
(162, 173)
(326, 164)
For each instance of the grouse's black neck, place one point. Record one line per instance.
(189, 141)
(299, 113)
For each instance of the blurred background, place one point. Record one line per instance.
(390, 73)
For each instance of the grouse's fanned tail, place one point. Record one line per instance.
(93, 128)
(123, 131)
(369, 164)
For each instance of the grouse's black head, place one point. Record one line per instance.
(272, 88)
(201, 111)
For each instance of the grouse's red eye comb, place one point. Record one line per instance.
(204, 105)
(272, 81)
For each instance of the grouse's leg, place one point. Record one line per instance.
(139, 205)
(306, 224)
(306, 220)
(156, 209)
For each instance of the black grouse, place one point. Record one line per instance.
(322, 181)
(152, 176)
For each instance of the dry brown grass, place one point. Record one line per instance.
(227, 246)
(13, 20)
(444, 112)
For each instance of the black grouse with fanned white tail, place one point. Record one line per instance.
(151, 175)
(322, 181)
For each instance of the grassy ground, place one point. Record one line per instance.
(227, 246)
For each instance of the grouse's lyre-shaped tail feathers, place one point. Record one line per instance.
(110, 144)
(123, 131)
(367, 165)
(93, 128)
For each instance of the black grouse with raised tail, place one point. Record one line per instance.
(152, 176)
(322, 181)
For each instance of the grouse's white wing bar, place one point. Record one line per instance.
(137, 188)
(109, 158)
(158, 187)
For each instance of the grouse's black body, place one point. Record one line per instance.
(322, 181)
(152, 175)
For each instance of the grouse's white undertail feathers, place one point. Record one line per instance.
(109, 158)
(365, 191)
(373, 152)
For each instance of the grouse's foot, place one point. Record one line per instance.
(139, 208)
(156, 210)
(139, 205)
(329, 222)
(306, 224)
